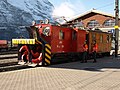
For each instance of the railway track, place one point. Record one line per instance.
(9, 62)
(13, 67)
(10, 65)
(8, 52)
(8, 56)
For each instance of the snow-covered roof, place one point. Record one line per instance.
(91, 11)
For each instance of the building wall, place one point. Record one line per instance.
(95, 16)
(98, 17)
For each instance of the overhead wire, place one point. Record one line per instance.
(101, 7)
(105, 5)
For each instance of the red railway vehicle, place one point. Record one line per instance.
(103, 40)
(60, 43)
(5, 45)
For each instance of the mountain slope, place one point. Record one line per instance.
(37, 8)
(15, 13)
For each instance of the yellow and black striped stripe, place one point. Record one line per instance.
(47, 54)
(38, 42)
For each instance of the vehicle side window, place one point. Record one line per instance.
(108, 38)
(101, 38)
(61, 35)
(93, 37)
(74, 35)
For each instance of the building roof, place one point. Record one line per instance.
(91, 11)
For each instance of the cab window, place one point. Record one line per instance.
(61, 35)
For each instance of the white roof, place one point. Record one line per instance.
(94, 11)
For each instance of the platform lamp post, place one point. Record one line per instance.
(116, 26)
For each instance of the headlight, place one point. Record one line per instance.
(46, 31)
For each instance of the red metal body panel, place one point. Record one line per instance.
(72, 40)
(74, 45)
(77, 43)
(80, 40)
(61, 45)
(58, 45)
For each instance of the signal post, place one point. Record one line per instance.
(116, 26)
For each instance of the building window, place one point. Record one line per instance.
(92, 24)
(109, 22)
(61, 35)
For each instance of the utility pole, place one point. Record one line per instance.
(116, 26)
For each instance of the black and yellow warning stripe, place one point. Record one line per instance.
(47, 54)
(37, 42)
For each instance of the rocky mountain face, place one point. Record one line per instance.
(17, 13)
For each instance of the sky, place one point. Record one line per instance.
(70, 8)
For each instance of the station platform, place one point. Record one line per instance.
(103, 75)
